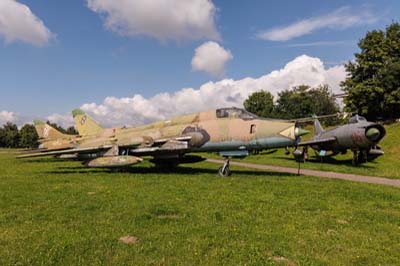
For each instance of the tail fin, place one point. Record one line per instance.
(317, 126)
(47, 132)
(85, 124)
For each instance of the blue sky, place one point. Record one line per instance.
(85, 62)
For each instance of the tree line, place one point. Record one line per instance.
(25, 137)
(372, 89)
(298, 102)
(372, 86)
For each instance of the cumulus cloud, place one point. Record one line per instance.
(18, 23)
(210, 57)
(161, 19)
(64, 120)
(6, 116)
(15, 118)
(138, 110)
(341, 18)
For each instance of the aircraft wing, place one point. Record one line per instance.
(159, 142)
(171, 145)
(159, 145)
(317, 141)
(69, 151)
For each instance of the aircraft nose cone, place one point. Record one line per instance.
(301, 132)
(372, 133)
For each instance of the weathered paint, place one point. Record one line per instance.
(113, 161)
(52, 139)
(350, 136)
(222, 133)
(225, 129)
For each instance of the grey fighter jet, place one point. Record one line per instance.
(358, 135)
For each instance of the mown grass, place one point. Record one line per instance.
(56, 213)
(387, 165)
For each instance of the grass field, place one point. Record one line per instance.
(387, 165)
(56, 213)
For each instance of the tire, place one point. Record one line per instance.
(224, 172)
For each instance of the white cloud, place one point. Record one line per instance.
(161, 19)
(18, 23)
(15, 118)
(341, 18)
(323, 43)
(6, 116)
(138, 110)
(64, 120)
(210, 57)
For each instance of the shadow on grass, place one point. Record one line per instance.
(165, 171)
(330, 160)
(45, 160)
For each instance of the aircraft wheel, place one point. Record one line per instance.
(355, 158)
(224, 172)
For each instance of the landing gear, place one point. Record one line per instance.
(301, 155)
(287, 152)
(355, 158)
(363, 157)
(359, 157)
(224, 170)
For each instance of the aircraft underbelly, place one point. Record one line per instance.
(255, 144)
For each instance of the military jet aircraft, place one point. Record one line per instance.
(52, 139)
(233, 132)
(358, 135)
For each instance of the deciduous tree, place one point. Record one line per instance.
(11, 137)
(260, 103)
(303, 101)
(28, 137)
(373, 84)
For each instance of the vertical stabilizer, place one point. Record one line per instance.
(86, 125)
(47, 132)
(317, 127)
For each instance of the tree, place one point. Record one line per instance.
(28, 137)
(303, 101)
(373, 84)
(59, 128)
(260, 103)
(71, 130)
(11, 138)
(2, 137)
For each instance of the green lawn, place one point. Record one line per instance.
(56, 213)
(387, 165)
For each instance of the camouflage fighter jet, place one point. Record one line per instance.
(52, 139)
(358, 135)
(232, 132)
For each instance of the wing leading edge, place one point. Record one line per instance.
(317, 141)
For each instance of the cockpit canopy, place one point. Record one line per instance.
(234, 112)
(355, 119)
